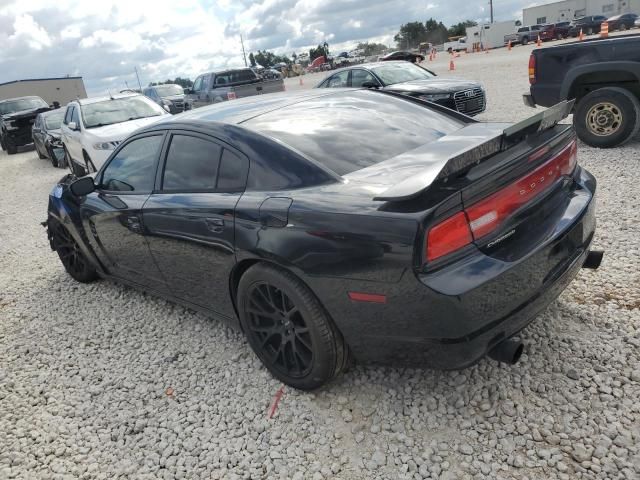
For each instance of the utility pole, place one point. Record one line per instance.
(491, 9)
(138, 77)
(244, 55)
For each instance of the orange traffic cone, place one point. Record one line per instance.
(301, 82)
(581, 36)
(451, 65)
(509, 46)
(604, 30)
(431, 57)
(539, 42)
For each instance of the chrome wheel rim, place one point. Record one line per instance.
(604, 119)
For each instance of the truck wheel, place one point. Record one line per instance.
(607, 117)
(525, 40)
(2, 143)
(589, 31)
(558, 36)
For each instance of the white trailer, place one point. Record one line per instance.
(489, 35)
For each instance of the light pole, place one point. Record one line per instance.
(491, 9)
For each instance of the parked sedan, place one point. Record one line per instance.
(334, 224)
(169, 96)
(465, 96)
(622, 22)
(46, 136)
(402, 55)
(588, 25)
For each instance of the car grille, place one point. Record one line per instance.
(178, 105)
(471, 101)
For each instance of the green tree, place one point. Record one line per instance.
(411, 35)
(320, 50)
(252, 60)
(369, 49)
(183, 82)
(460, 29)
(437, 33)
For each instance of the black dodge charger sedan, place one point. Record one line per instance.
(432, 239)
(465, 96)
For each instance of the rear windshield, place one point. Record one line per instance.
(350, 131)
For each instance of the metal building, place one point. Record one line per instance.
(567, 10)
(61, 90)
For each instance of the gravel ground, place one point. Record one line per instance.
(101, 381)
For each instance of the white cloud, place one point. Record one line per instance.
(103, 41)
(27, 28)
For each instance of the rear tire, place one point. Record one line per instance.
(288, 328)
(73, 260)
(607, 117)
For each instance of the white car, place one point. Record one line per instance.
(93, 127)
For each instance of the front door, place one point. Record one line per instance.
(190, 221)
(112, 215)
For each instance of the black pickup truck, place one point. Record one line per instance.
(603, 75)
(16, 120)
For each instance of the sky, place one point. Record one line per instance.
(103, 41)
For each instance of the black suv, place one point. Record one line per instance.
(16, 120)
(589, 25)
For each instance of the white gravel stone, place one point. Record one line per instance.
(85, 369)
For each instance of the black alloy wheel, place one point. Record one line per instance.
(288, 329)
(71, 256)
(281, 330)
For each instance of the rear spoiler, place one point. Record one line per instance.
(415, 185)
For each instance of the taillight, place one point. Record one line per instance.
(532, 69)
(448, 236)
(485, 216)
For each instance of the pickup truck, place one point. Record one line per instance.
(524, 35)
(602, 75)
(16, 121)
(214, 87)
(459, 45)
(555, 31)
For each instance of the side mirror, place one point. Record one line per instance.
(73, 126)
(370, 84)
(83, 186)
(188, 91)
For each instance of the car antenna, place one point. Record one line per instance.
(110, 96)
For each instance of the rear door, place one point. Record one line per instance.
(190, 220)
(112, 215)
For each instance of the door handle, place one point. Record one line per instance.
(215, 225)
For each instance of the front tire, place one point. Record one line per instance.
(73, 259)
(12, 149)
(288, 329)
(607, 117)
(525, 40)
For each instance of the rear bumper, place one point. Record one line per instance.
(546, 96)
(451, 318)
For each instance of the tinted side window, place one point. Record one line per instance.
(192, 164)
(67, 115)
(339, 80)
(133, 169)
(197, 85)
(358, 77)
(75, 117)
(233, 172)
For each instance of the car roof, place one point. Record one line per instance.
(19, 98)
(242, 109)
(370, 65)
(49, 113)
(89, 101)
